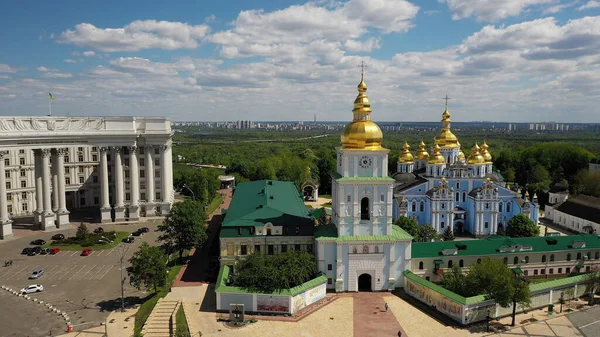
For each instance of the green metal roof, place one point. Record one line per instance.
(329, 233)
(338, 177)
(567, 281)
(256, 203)
(224, 272)
(490, 246)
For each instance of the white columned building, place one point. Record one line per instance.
(54, 165)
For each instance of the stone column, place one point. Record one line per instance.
(5, 222)
(150, 191)
(165, 189)
(48, 217)
(39, 189)
(55, 183)
(119, 188)
(62, 215)
(105, 211)
(134, 206)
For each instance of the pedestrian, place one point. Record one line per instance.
(399, 333)
(386, 307)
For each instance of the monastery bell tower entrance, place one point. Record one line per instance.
(364, 283)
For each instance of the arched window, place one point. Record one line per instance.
(500, 206)
(365, 249)
(578, 256)
(506, 260)
(421, 265)
(597, 255)
(526, 259)
(551, 257)
(508, 206)
(516, 260)
(442, 224)
(461, 263)
(414, 206)
(457, 196)
(464, 196)
(478, 261)
(364, 209)
(449, 263)
(376, 249)
(569, 257)
(589, 255)
(422, 206)
(543, 258)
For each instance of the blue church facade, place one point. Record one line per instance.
(447, 189)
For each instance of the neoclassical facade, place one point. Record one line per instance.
(51, 165)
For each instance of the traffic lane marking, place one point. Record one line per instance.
(9, 273)
(84, 275)
(78, 271)
(66, 273)
(61, 270)
(106, 272)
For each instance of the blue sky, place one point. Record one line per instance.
(510, 60)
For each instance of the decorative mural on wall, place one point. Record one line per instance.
(272, 303)
(308, 297)
(433, 298)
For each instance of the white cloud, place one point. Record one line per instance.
(89, 53)
(557, 8)
(44, 69)
(362, 46)
(490, 10)
(5, 68)
(70, 61)
(589, 5)
(137, 35)
(56, 74)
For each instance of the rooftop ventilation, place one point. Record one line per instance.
(270, 197)
(461, 246)
(451, 251)
(578, 244)
(515, 248)
(551, 241)
(270, 182)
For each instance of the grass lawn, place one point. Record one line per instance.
(146, 308)
(325, 196)
(214, 204)
(181, 322)
(120, 237)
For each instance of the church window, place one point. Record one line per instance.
(597, 255)
(578, 256)
(487, 224)
(349, 198)
(457, 196)
(526, 259)
(500, 207)
(257, 248)
(364, 209)
(284, 248)
(421, 265)
(269, 231)
(543, 258)
(516, 260)
(365, 249)
(414, 206)
(505, 260)
(329, 280)
(569, 257)
(442, 224)
(487, 205)
(449, 263)
(422, 206)
(244, 250)
(508, 206)
(443, 205)
(376, 249)
(270, 249)
(464, 196)
(461, 263)
(382, 198)
(330, 267)
(457, 184)
(551, 257)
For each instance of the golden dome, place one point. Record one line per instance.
(362, 133)
(406, 157)
(475, 157)
(436, 157)
(461, 156)
(446, 138)
(485, 153)
(422, 154)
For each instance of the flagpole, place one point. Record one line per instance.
(49, 106)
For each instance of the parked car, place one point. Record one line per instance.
(86, 252)
(35, 251)
(99, 230)
(54, 250)
(144, 229)
(45, 251)
(38, 242)
(36, 274)
(136, 233)
(129, 239)
(58, 237)
(34, 288)
(26, 250)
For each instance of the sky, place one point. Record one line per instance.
(502, 61)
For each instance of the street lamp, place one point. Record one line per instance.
(190, 190)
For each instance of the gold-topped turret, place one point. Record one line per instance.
(362, 133)
(422, 153)
(436, 157)
(446, 138)
(475, 157)
(487, 156)
(406, 157)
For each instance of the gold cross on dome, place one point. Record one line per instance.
(362, 66)
(446, 99)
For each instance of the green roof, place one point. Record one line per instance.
(329, 233)
(567, 281)
(224, 272)
(491, 246)
(338, 177)
(259, 202)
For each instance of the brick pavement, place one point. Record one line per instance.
(371, 318)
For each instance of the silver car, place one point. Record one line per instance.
(34, 288)
(36, 274)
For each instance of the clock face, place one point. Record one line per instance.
(365, 162)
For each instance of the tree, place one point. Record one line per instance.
(268, 273)
(593, 283)
(325, 166)
(324, 219)
(183, 228)
(448, 235)
(427, 233)
(82, 233)
(409, 225)
(588, 183)
(457, 282)
(149, 267)
(520, 226)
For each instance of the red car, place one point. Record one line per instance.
(54, 251)
(86, 252)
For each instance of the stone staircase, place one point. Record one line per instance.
(161, 322)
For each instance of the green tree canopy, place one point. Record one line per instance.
(409, 225)
(588, 183)
(520, 226)
(183, 228)
(149, 267)
(427, 233)
(82, 232)
(448, 235)
(269, 273)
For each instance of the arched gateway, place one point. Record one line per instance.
(364, 283)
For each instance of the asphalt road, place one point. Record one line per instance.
(588, 321)
(86, 287)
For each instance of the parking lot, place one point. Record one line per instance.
(86, 287)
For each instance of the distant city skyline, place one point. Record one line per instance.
(512, 61)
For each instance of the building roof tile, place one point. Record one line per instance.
(582, 206)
